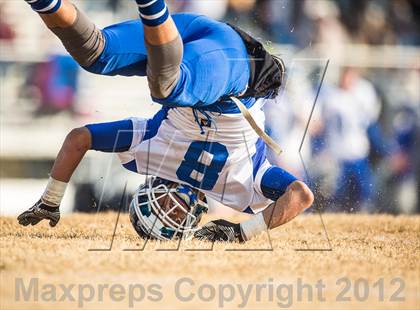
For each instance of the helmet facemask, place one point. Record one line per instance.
(165, 210)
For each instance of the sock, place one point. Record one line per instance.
(153, 12)
(44, 6)
(253, 227)
(54, 192)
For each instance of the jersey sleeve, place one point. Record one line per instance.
(119, 136)
(272, 181)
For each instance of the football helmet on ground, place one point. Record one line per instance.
(166, 210)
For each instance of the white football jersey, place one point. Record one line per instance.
(348, 115)
(226, 161)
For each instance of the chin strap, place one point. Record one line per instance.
(267, 139)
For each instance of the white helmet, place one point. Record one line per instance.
(166, 210)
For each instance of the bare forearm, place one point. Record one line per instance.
(297, 198)
(77, 143)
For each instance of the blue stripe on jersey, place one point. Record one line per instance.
(275, 182)
(154, 123)
(259, 156)
(111, 137)
(132, 166)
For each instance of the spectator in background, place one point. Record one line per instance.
(242, 13)
(375, 28)
(405, 18)
(215, 9)
(7, 37)
(352, 14)
(113, 5)
(6, 32)
(325, 27)
(56, 82)
(350, 114)
(381, 22)
(405, 118)
(278, 19)
(402, 182)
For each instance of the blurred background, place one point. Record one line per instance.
(347, 118)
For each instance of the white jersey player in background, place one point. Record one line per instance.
(350, 113)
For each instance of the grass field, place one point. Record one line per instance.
(374, 254)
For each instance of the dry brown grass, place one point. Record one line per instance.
(370, 247)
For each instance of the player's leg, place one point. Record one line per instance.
(54, 13)
(215, 62)
(366, 187)
(164, 46)
(124, 54)
(82, 39)
(65, 16)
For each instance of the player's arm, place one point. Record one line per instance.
(291, 197)
(175, 80)
(106, 137)
(75, 146)
(111, 51)
(86, 43)
(164, 47)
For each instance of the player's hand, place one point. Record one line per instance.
(40, 211)
(220, 230)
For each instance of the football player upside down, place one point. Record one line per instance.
(199, 144)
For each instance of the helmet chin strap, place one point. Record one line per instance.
(267, 139)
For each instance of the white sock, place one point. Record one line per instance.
(54, 192)
(254, 226)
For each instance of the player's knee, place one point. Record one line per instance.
(303, 192)
(83, 40)
(78, 139)
(163, 67)
(162, 88)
